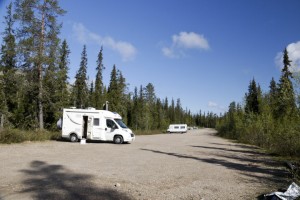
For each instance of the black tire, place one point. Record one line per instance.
(118, 139)
(73, 138)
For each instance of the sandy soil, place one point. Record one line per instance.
(195, 165)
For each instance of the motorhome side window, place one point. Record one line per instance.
(111, 124)
(176, 127)
(96, 122)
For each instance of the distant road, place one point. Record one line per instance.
(194, 165)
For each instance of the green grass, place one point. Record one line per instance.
(9, 136)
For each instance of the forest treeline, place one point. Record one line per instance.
(270, 119)
(35, 87)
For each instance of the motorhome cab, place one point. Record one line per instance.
(177, 128)
(94, 124)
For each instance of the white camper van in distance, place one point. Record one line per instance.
(177, 128)
(94, 124)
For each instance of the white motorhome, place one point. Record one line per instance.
(177, 128)
(91, 124)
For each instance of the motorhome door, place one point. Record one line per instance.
(98, 129)
(87, 127)
(110, 129)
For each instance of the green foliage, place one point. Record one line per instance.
(8, 68)
(8, 136)
(276, 126)
(37, 36)
(80, 89)
(99, 86)
(253, 98)
(286, 104)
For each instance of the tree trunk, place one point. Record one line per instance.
(40, 71)
(2, 121)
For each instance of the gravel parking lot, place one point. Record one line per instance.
(195, 165)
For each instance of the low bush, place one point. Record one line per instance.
(8, 136)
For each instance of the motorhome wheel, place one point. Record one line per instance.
(118, 139)
(73, 138)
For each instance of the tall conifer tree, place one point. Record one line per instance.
(286, 104)
(62, 75)
(98, 94)
(252, 98)
(38, 20)
(113, 91)
(80, 89)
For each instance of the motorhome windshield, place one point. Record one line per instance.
(121, 123)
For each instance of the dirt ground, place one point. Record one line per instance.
(195, 165)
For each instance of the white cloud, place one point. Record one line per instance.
(190, 40)
(85, 36)
(216, 106)
(168, 52)
(294, 55)
(184, 41)
(212, 104)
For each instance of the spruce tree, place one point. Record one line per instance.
(150, 99)
(178, 112)
(135, 109)
(50, 82)
(172, 111)
(252, 98)
(273, 96)
(80, 89)
(286, 104)
(122, 92)
(62, 75)
(113, 91)
(91, 99)
(98, 94)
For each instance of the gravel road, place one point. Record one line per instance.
(195, 165)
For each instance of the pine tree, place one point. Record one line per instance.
(99, 99)
(8, 68)
(80, 89)
(37, 25)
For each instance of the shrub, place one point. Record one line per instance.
(8, 136)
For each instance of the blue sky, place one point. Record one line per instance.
(204, 52)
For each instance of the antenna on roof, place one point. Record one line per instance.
(105, 106)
